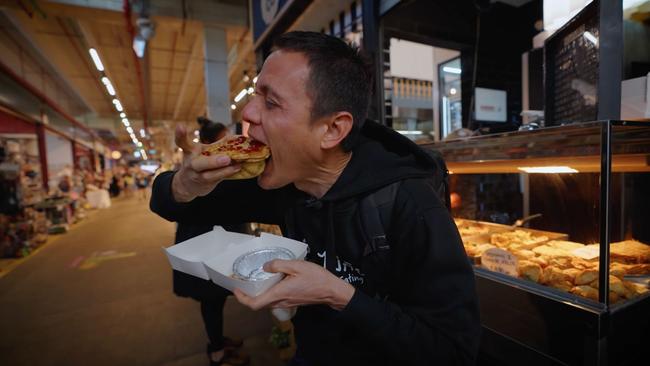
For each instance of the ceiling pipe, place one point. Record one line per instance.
(138, 70)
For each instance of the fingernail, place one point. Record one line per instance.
(223, 159)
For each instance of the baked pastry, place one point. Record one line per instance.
(562, 285)
(250, 154)
(553, 275)
(630, 251)
(518, 239)
(585, 291)
(565, 245)
(530, 271)
(551, 251)
(586, 276)
(572, 273)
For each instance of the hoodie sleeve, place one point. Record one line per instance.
(231, 202)
(432, 314)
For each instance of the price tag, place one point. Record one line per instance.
(499, 260)
(587, 252)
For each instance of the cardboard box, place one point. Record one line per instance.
(210, 256)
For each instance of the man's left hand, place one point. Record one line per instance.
(305, 283)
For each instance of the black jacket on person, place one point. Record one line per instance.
(415, 306)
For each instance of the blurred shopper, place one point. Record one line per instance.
(129, 184)
(142, 182)
(221, 350)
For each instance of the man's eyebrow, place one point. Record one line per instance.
(267, 90)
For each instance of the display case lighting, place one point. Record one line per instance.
(95, 56)
(406, 132)
(547, 169)
(451, 70)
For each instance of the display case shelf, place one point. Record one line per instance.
(583, 302)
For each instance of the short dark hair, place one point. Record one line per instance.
(209, 130)
(340, 78)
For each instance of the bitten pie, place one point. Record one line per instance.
(250, 154)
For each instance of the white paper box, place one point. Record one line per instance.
(210, 256)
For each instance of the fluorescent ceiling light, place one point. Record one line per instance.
(547, 169)
(133, 136)
(591, 38)
(126, 124)
(451, 70)
(403, 132)
(122, 115)
(109, 86)
(241, 95)
(118, 105)
(250, 90)
(129, 129)
(142, 133)
(125, 120)
(95, 56)
(233, 107)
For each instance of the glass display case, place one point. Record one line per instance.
(568, 284)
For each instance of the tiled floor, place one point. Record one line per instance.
(101, 295)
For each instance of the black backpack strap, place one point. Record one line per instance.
(375, 211)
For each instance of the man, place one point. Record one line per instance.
(414, 303)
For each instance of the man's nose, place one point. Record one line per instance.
(250, 113)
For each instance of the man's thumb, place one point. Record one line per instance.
(182, 140)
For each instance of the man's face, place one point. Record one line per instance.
(280, 116)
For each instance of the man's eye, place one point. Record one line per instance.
(270, 104)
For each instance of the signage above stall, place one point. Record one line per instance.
(265, 15)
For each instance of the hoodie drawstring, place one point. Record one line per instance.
(330, 258)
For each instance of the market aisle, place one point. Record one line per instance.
(101, 295)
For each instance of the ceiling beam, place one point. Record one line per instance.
(170, 74)
(26, 40)
(195, 61)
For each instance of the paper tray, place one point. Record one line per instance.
(210, 256)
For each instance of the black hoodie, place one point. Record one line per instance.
(415, 306)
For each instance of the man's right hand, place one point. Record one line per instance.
(198, 174)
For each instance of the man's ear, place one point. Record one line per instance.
(338, 127)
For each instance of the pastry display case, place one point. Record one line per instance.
(555, 222)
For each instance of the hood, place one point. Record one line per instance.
(381, 157)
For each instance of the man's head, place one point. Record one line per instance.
(339, 77)
(312, 97)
